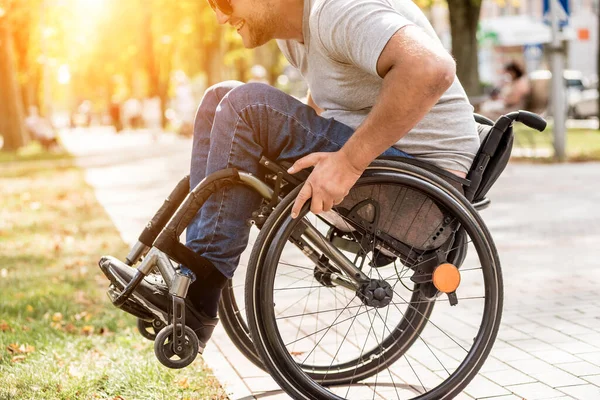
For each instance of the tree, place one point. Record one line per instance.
(12, 126)
(464, 17)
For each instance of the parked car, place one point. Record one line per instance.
(584, 104)
(581, 98)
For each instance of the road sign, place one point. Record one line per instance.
(563, 12)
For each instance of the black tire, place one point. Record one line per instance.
(165, 354)
(234, 322)
(149, 330)
(302, 382)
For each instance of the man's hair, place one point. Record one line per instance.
(514, 67)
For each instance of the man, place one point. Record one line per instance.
(380, 84)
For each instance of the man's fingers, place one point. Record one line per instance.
(327, 205)
(305, 162)
(336, 202)
(303, 196)
(316, 203)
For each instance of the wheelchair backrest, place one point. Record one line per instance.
(490, 160)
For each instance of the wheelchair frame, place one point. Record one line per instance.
(159, 242)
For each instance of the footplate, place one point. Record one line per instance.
(129, 306)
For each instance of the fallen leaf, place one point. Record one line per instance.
(183, 382)
(70, 328)
(5, 327)
(18, 358)
(87, 330)
(13, 348)
(26, 348)
(56, 325)
(57, 317)
(29, 308)
(80, 315)
(36, 205)
(16, 348)
(3, 272)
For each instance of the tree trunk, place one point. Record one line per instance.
(464, 17)
(12, 126)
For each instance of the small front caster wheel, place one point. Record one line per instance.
(163, 348)
(149, 330)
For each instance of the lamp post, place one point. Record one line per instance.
(559, 109)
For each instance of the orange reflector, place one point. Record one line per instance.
(446, 278)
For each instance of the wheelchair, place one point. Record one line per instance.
(395, 293)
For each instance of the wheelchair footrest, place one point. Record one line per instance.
(119, 274)
(130, 306)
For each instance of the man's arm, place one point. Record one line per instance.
(416, 71)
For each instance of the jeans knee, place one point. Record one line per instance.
(214, 94)
(253, 93)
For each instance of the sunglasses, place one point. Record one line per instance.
(222, 5)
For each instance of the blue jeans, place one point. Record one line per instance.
(236, 124)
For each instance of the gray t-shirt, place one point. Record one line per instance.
(343, 40)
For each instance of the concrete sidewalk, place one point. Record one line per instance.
(544, 219)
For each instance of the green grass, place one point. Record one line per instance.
(581, 144)
(60, 338)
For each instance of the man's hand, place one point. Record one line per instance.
(330, 181)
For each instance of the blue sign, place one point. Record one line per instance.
(563, 12)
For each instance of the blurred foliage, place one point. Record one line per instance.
(116, 49)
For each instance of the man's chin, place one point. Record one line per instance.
(254, 42)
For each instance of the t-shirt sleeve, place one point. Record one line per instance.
(356, 32)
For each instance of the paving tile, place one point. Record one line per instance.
(593, 358)
(552, 336)
(511, 353)
(509, 377)
(463, 396)
(480, 387)
(592, 338)
(555, 356)
(507, 397)
(493, 364)
(507, 333)
(529, 328)
(546, 373)
(262, 384)
(582, 392)
(577, 347)
(532, 345)
(595, 379)
(580, 368)
(534, 391)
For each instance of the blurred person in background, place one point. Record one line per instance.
(512, 96)
(41, 129)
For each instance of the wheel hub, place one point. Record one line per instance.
(376, 293)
